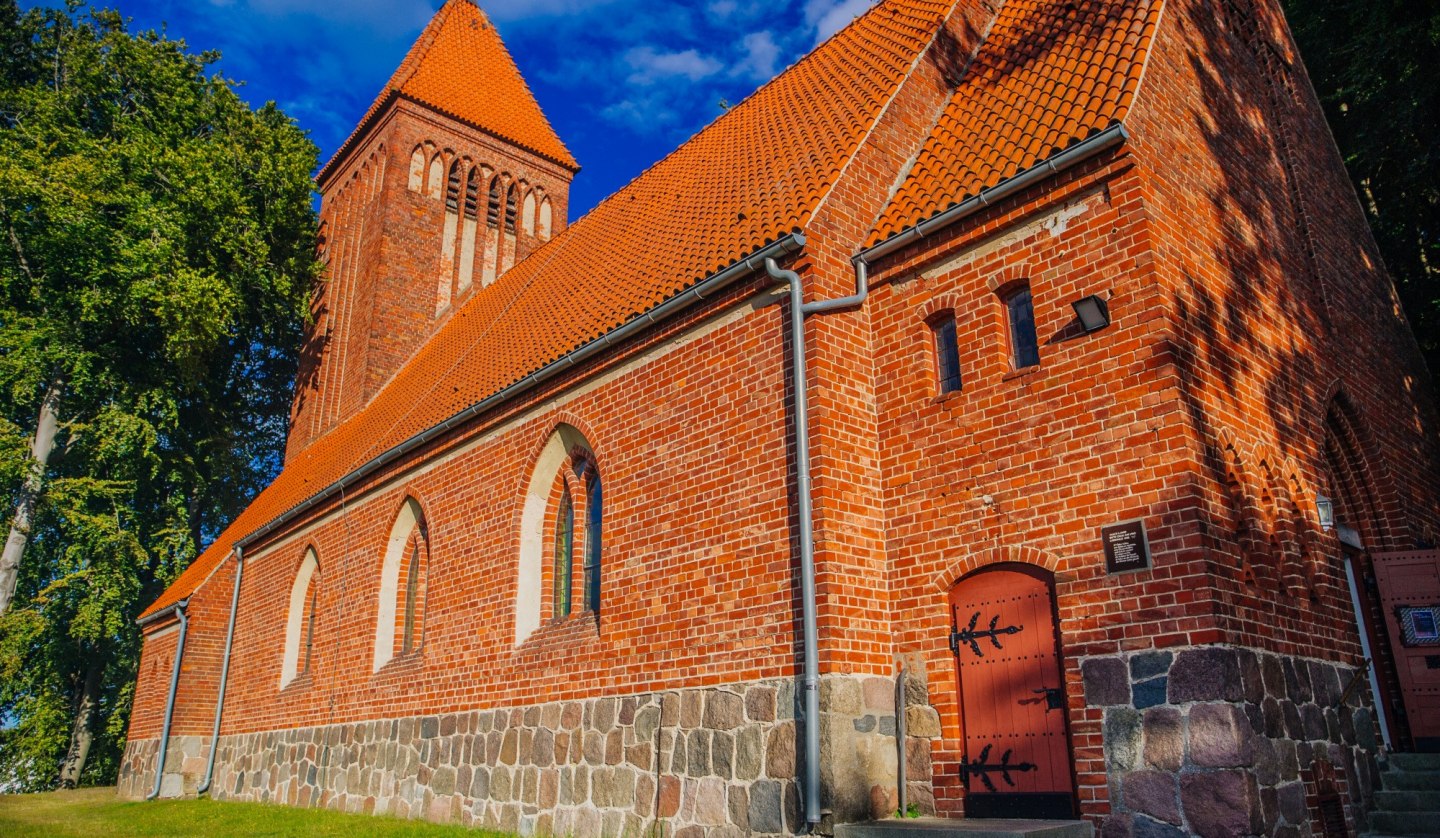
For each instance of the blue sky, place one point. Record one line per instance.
(623, 81)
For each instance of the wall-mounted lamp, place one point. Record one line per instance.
(1094, 313)
(1326, 509)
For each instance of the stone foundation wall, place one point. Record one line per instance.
(1220, 742)
(721, 761)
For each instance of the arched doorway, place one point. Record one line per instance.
(1017, 759)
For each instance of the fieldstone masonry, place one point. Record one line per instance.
(1219, 742)
(721, 761)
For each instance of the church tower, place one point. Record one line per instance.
(452, 177)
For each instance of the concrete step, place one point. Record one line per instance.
(968, 828)
(1415, 762)
(1407, 801)
(1392, 780)
(1405, 823)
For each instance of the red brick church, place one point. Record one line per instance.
(1002, 413)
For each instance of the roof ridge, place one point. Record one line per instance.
(733, 109)
(894, 94)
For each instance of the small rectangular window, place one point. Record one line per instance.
(1024, 345)
(947, 354)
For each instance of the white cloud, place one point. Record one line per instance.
(515, 10)
(761, 59)
(379, 15)
(830, 16)
(650, 65)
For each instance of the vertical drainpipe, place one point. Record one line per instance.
(224, 672)
(179, 611)
(810, 676)
(1365, 650)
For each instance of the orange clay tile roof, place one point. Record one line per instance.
(460, 67)
(1050, 74)
(752, 177)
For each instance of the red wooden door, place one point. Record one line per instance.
(1017, 760)
(1410, 598)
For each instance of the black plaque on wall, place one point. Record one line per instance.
(1126, 547)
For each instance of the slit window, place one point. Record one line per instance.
(594, 505)
(564, 554)
(1024, 344)
(947, 353)
(412, 589)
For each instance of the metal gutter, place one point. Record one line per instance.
(713, 284)
(224, 673)
(1105, 140)
(178, 609)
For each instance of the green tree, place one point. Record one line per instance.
(1374, 64)
(157, 250)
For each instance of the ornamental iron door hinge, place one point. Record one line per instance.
(982, 768)
(971, 636)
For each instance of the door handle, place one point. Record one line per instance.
(1054, 699)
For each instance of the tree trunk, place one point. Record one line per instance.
(45, 428)
(82, 733)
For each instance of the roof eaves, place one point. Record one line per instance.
(697, 293)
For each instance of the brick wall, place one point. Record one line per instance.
(1247, 303)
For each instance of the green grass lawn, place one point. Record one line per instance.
(98, 813)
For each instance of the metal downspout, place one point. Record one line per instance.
(179, 609)
(810, 676)
(1365, 650)
(224, 673)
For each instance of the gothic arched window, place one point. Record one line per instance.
(561, 519)
(400, 610)
(300, 624)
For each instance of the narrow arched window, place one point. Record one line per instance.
(594, 506)
(947, 352)
(564, 485)
(564, 554)
(1024, 343)
(545, 218)
(400, 610)
(412, 592)
(510, 208)
(310, 627)
(300, 623)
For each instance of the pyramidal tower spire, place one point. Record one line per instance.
(453, 175)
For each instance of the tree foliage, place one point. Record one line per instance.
(1373, 63)
(157, 245)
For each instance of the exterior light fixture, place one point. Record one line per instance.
(1093, 312)
(1326, 509)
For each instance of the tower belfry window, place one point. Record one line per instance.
(492, 212)
(452, 190)
(510, 209)
(472, 194)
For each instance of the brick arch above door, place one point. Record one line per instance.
(975, 560)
